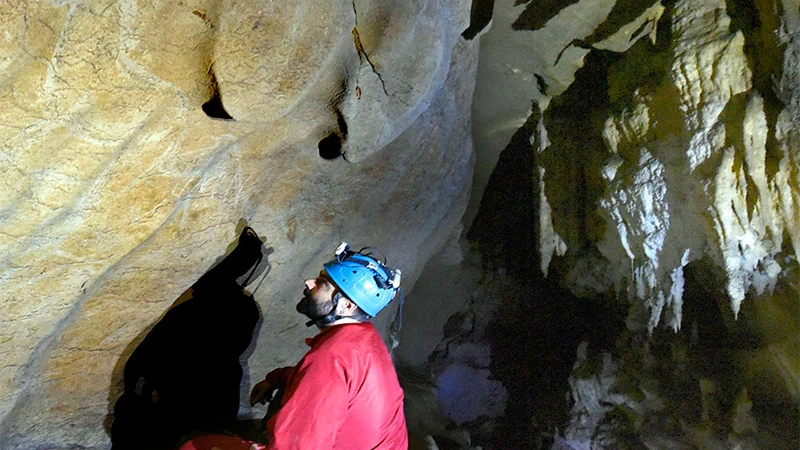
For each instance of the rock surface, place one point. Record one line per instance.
(658, 143)
(690, 159)
(647, 156)
(120, 185)
(685, 174)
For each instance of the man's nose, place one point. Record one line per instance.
(309, 283)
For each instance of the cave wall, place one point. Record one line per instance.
(688, 166)
(139, 137)
(651, 161)
(674, 124)
(633, 228)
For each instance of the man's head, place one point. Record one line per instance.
(323, 301)
(353, 285)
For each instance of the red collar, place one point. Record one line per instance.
(325, 331)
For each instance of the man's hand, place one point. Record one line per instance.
(261, 392)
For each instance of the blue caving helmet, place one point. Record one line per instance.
(363, 279)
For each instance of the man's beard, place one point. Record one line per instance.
(311, 308)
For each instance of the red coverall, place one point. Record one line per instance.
(343, 394)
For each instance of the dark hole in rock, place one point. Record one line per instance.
(214, 109)
(330, 147)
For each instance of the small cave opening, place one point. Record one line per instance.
(213, 107)
(330, 147)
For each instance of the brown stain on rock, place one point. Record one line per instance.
(202, 15)
(291, 229)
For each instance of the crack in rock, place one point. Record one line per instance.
(363, 53)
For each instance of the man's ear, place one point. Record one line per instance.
(347, 306)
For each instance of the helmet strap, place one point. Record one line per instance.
(397, 323)
(329, 318)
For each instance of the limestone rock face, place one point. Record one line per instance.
(683, 152)
(663, 223)
(658, 142)
(117, 190)
(679, 149)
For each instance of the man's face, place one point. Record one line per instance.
(317, 298)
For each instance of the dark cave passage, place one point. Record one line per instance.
(537, 325)
(534, 337)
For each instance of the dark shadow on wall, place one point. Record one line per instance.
(185, 375)
(623, 13)
(538, 324)
(479, 17)
(574, 122)
(537, 13)
(504, 228)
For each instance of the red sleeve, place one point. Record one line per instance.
(314, 407)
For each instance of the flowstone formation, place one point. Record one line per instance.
(689, 166)
(680, 136)
(137, 135)
(634, 223)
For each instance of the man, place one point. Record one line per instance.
(344, 393)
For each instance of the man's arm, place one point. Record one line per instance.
(276, 379)
(314, 407)
(279, 376)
